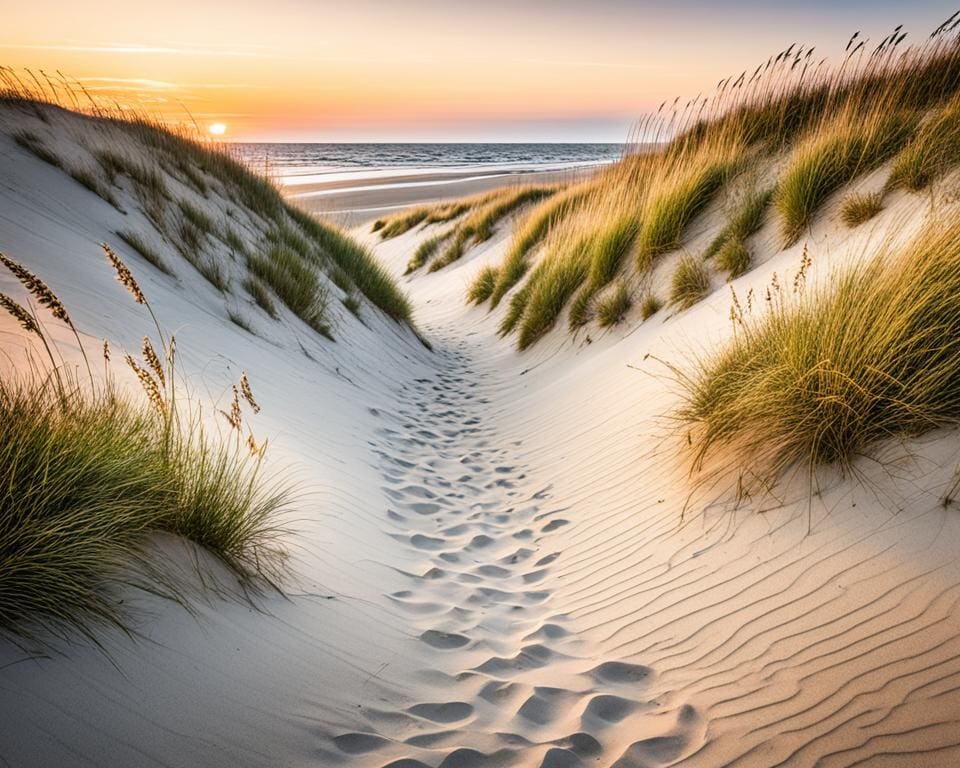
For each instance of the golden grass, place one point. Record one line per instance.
(812, 126)
(860, 207)
(822, 374)
(689, 284)
(612, 307)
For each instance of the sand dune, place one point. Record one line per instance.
(499, 559)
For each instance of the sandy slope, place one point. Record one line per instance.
(491, 566)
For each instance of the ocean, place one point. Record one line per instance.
(293, 164)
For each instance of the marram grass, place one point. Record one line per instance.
(805, 127)
(822, 374)
(689, 284)
(87, 471)
(860, 207)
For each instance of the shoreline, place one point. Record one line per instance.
(353, 202)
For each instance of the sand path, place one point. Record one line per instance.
(512, 683)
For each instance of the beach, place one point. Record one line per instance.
(360, 198)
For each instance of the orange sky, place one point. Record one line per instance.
(418, 70)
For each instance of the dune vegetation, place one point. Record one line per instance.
(772, 145)
(89, 469)
(201, 206)
(807, 380)
(479, 216)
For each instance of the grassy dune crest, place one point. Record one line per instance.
(778, 140)
(202, 206)
(809, 381)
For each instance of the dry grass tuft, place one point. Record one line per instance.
(858, 208)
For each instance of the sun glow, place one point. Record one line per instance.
(217, 129)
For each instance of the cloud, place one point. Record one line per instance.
(135, 48)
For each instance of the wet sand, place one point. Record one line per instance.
(351, 202)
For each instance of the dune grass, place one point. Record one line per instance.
(932, 152)
(860, 207)
(482, 285)
(833, 156)
(138, 244)
(87, 471)
(734, 258)
(34, 144)
(799, 127)
(689, 284)
(426, 251)
(260, 293)
(745, 221)
(531, 232)
(560, 278)
(295, 283)
(90, 180)
(675, 206)
(612, 307)
(650, 305)
(369, 276)
(822, 376)
(151, 161)
(478, 226)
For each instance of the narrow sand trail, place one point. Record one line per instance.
(513, 685)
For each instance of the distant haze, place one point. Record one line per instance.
(424, 70)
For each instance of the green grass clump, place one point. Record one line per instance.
(140, 246)
(296, 284)
(832, 157)
(233, 241)
(650, 305)
(580, 308)
(518, 302)
(734, 258)
(531, 233)
(88, 472)
(550, 289)
(425, 251)
(858, 208)
(746, 221)
(689, 284)
(425, 214)
(369, 276)
(822, 377)
(932, 152)
(200, 220)
(670, 212)
(34, 144)
(482, 285)
(213, 273)
(397, 225)
(612, 307)
(92, 182)
(260, 293)
(240, 321)
(478, 226)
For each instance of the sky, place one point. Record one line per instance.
(424, 70)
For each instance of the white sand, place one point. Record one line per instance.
(490, 564)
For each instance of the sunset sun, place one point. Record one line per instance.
(218, 129)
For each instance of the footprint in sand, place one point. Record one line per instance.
(444, 640)
(447, 712)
